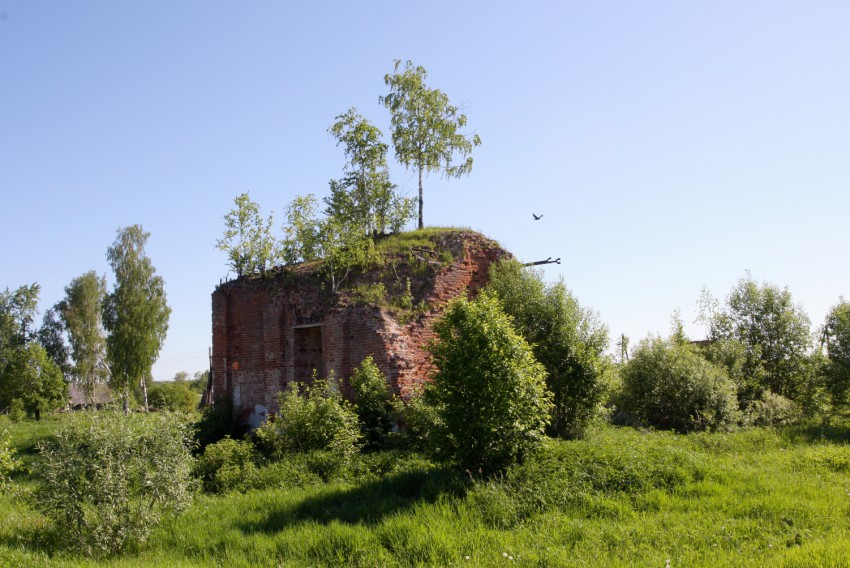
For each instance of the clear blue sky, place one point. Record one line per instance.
(669, 145)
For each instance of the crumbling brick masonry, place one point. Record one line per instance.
(271, 330)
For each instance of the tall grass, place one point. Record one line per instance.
(757, 497)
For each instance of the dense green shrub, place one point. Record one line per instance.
(772, 410)
(8, 462)
(176, 396)
(17, 412)
(106, 479)
(567, 339)
(227, 464)
(312, 417)
(488, 391)
(668, 384)
(377, 409)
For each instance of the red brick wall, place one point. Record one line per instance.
(258, 348)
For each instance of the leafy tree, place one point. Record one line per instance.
(135, 313)
(425, 126)
(365, 197)
(106, 480)
(82, 312)
(33, 378)
(248, 240)
(374, 403)
(567, 339)
(489, 391)
(774, 331)
(28, 377)
(17, 312)
(341, 246)
(836, 339)
(51, 336)
(668, 384)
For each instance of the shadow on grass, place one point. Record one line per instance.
(366, 503)
(817, 432)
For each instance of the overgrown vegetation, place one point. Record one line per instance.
(105, 480)
(489, 392)
(312, 418)
(668, 384)
(567, 339)
(618, 497)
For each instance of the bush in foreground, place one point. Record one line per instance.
(667, 384)
(106, 479)
(312, 418)
(489, 391)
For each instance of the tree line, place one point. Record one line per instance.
(113, 336)
(364, 203)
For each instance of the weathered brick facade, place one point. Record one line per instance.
(273, 330)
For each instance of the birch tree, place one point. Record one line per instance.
(426, 127)
(135, 313)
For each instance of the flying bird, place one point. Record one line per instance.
(537, 217)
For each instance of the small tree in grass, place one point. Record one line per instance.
(567, 339)
(106, 479)
(668, 384)
(489, 391)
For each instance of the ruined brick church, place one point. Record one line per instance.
(282, 327)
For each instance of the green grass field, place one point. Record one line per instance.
(755, 497)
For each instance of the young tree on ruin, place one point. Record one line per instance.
(248, 241)
(364, 196)
(425, 126)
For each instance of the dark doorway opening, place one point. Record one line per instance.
(308, 353)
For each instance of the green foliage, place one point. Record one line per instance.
(772, 409)
(667, 384)
(216, 423)
(836, 338)
(106, 480)
(227, 465)
(425, 126)
(8, 462)
(774, 332)
(489, 391)
(81, 312)
(51, 336)
(31, 377)
(369, 294)
(312, 417)
(17, 411)
(247, 239)
(376, 408)
(340, 246)
(135, 313)
(17, 313)
(567, 339)
(176, 396)
(365, 198)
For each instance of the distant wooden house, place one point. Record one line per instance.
(77, 396)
